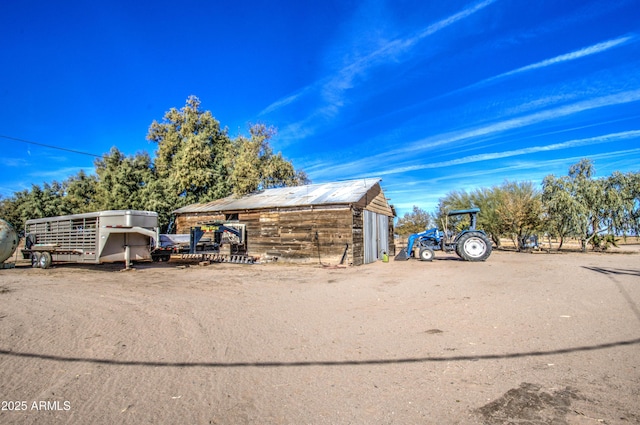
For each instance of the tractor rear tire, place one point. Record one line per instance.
(426, 254)
(474, 246)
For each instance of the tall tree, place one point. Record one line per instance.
(121, 181)
(10, 208)
(621, 214)
(562, 210)
(46, 201)
(253, 165)
(581, 206)
(190, 158)
(418, 220)
(80, 192)
(520, 211)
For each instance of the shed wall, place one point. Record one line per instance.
(307, 236)
(376, 202)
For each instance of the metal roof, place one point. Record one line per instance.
(344, 192)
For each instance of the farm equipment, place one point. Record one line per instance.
(94, 238)
(206, 241)
(471, 244)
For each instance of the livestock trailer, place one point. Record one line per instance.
(93, 238)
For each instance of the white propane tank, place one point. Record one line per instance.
(8, 241)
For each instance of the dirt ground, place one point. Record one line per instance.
(519, 339)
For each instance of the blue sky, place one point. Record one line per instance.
(430, 96)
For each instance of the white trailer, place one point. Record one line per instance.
(94, 238)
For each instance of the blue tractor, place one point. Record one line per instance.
(471, 244)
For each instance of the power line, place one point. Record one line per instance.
(50, 146)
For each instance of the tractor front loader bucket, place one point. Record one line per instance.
(402, 255)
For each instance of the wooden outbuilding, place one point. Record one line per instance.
(348, 222)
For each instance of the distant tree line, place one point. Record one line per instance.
(593, 210)
(196, 161)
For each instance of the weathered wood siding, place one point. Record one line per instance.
(302, 236)
(357, 229)
(375, 201)
(184, 222)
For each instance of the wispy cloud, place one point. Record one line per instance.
(331, 90)
(413, 149)
(577, 54)
(527, 120)
(292, 98)
(608, 138)
(393, 49)
(533, 170)
(14, 162)
(566, 57)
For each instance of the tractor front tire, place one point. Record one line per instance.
(426, 254)
(474, 246)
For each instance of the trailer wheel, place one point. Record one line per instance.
(35, 260)
(426, 254)
(45, 260)
(474, 246)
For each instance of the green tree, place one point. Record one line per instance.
(253, 165)
(622, 201)
(45, 201)
(520, 211)
(122, 181)
(9, 210)
(418, 220)
(561, 209)
(454, 200)
(487, 199)
(579, 205)
(80, 193)
(190, 158)
(155, 196)
(589, 195)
